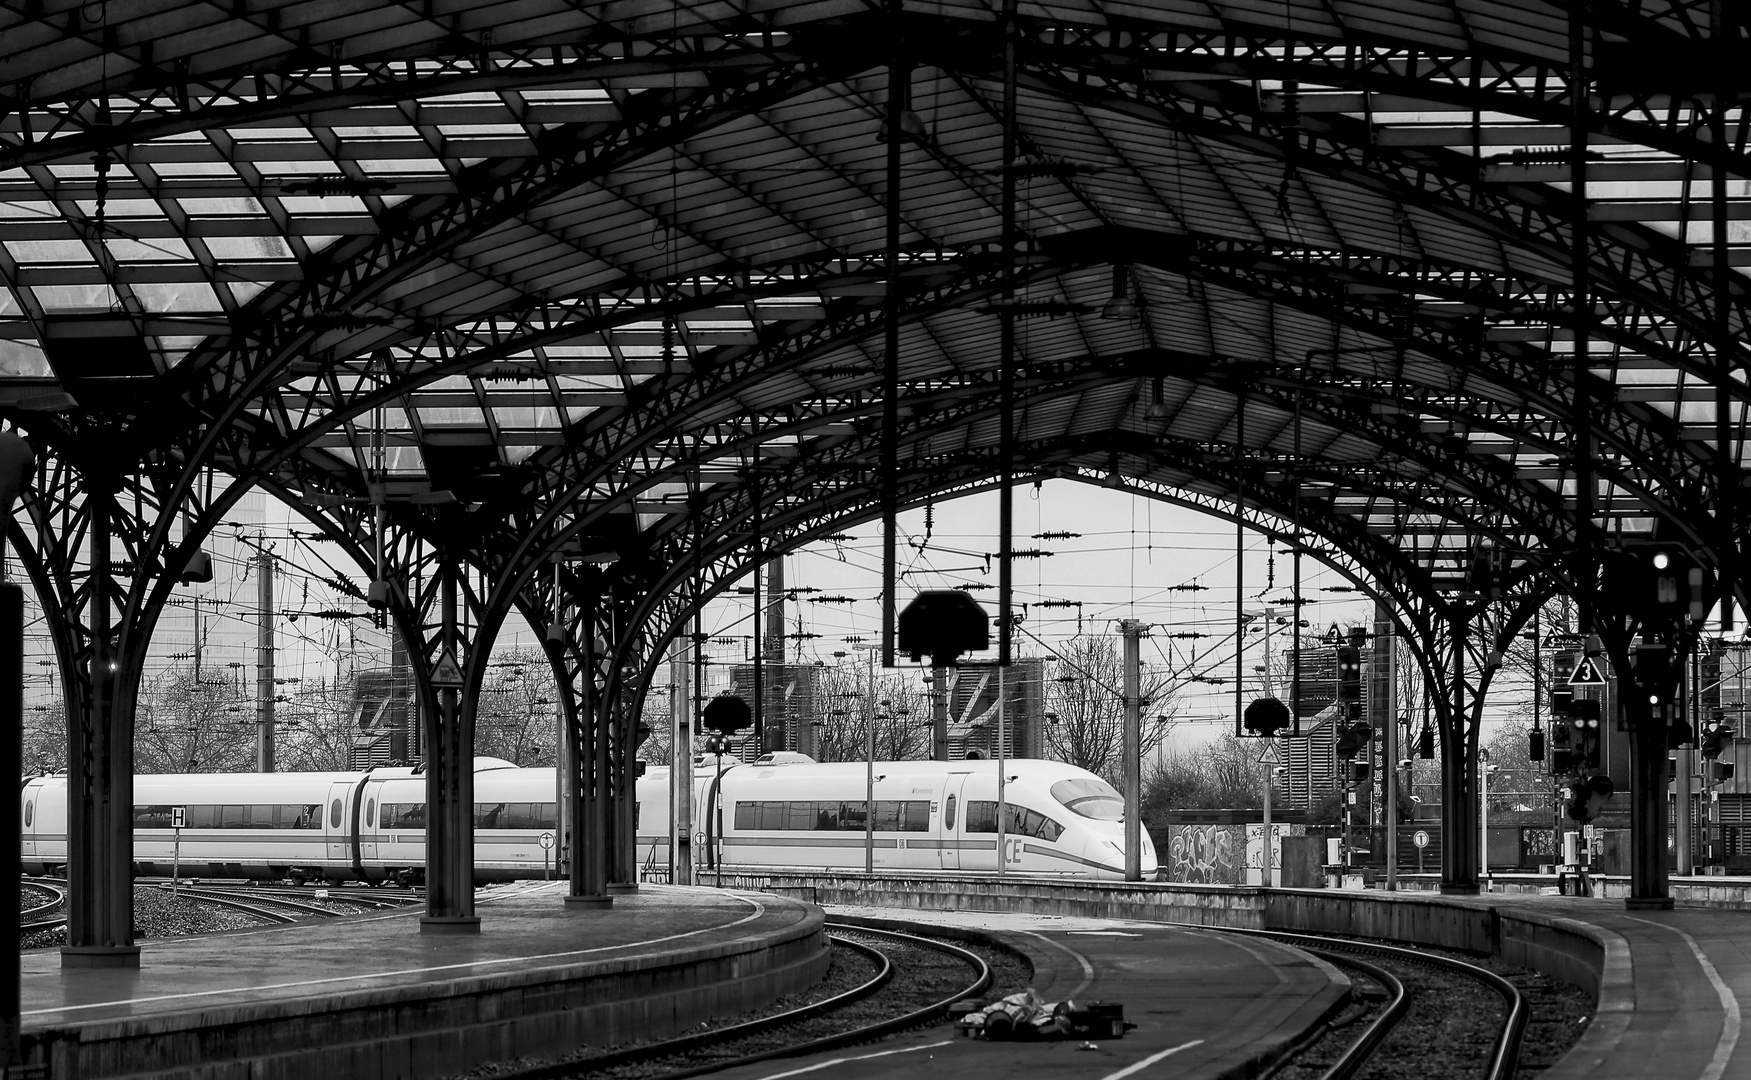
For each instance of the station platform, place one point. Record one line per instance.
(1207, 1005)
(369, 996)
(1672, 988)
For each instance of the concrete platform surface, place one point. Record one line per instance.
(1206, 1003)
(370, 996)
(1676, 1009)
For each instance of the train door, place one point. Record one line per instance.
(334, 825)
(368, 822)
(949, 823)
(29, 795)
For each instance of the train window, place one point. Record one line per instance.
(982, 818)
(370, 812)
(334, 809)
(200, 817)
(28, 807)
(403, 816)
(948, 813)
(1090, 797)
(492, 816)
(149, 817)
(233, 816)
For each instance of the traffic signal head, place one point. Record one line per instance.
(1265, 716)
(1714, 740)
(1654, 674)
(1587, 796)
(1352, 738)
(1562, 701)
(1349, 673)
(1535, 745)
(1587, 734)
(1717, 772)
(1563, 758)
(1360, 771)
(1426, 743)
(1661, 582)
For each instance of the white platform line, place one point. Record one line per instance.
(1150, 1060)
(1730, 1017)
(859, 1057)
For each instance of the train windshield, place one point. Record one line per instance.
(1091, 798)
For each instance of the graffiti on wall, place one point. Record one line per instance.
(1207, 854)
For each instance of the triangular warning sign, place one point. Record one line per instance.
(447, 675)
(1332, 637)
(1587, 673)
(1270, 756)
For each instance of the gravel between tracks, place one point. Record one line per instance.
(157, 915)
(1453, 1021)
(848, 969)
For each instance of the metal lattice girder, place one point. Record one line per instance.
(141, 108)
(1627, 259)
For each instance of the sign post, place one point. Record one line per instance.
(178, 818)
(1421, 839)
(546, 851)
(1269, 760)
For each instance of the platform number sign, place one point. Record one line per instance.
(178, 817)
(546, 839)
(1420, 838)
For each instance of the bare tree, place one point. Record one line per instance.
(851, 696)
(190, 725)
(317, 727)
(1086, 710)
(657, 746)
(517, 718)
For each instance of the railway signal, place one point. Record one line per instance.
(1349, 673)
(1586, 733)
(1587, 796)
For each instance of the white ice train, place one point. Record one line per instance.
(785, 811)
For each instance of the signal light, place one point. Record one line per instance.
(1563, 758)
(1535, 745)
(1360, 772)
(1562, 701)
(1426, 742)
(1352, 738)
(1717, 772)
(1349, 673)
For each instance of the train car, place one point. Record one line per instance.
(784, 811)
(787, 811)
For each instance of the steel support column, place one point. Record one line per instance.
(1459, 809)
(100, 772)
(449, 782)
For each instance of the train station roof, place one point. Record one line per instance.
(560, 261)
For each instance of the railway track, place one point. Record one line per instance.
(895, 991)
(1405, 978)
(49, 914)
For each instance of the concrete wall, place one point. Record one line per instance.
(1575, 952)
(1207, 905)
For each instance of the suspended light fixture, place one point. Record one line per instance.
(1120, 306)
(1113, 477)
(1157, 409)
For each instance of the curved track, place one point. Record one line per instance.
(1344, 952)
(726, 1047)
(42, 916)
